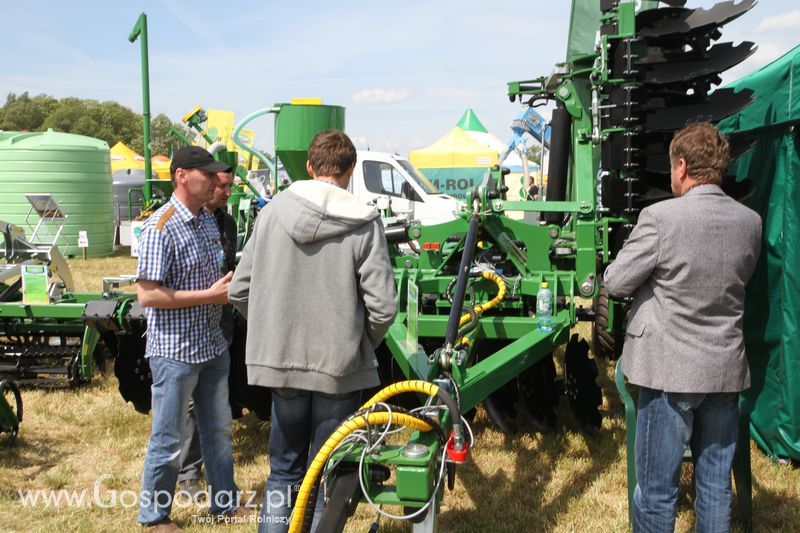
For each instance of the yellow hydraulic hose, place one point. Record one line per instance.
(358, 422)
(481, 308)
(463, 341)
(413, 385)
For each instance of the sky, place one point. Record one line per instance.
(404, 71)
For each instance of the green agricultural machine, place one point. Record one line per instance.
(49, 332)
(467, 331)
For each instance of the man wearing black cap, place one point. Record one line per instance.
(191, 457)
(180, 283)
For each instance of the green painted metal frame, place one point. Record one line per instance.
(63, 316)
(139, 31)
(582, 239)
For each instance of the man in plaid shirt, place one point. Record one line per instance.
(180, 283)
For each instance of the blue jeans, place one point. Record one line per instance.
(174, 384)
(667, 424)
(301, 423)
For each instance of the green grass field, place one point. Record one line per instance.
(560, 481)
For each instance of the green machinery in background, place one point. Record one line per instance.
(57, 337)
(48, 332)
(296, 123)
(467, 288)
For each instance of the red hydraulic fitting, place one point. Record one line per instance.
(456, 456)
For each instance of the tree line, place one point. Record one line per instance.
(108, 121)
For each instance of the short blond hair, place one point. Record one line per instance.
(705, 150)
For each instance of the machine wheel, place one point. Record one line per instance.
(11, 396)
(540, 393)
(580, 383)
(101, 357)
(343, 497)
(501, 404)
(606, 344)
(534, 394)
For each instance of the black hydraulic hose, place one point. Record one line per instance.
(471, 325)
(308, 515)
(461, 285)
(558, 170)
(452, 405)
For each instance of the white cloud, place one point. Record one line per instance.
(390, 146)
(360, 141)
(785, 21)
(380, 96)
(767, 52)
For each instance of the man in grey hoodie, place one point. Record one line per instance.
(316, 286)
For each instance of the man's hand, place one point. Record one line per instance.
(218, 292)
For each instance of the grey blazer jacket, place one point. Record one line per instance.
(686, 264)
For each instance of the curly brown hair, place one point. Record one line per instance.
(331, 153)
(705, 150)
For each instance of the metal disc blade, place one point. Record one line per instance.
(675, 21)
(720, 104)
(689, 66)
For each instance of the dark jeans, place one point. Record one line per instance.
(301, 423)
(667, 424)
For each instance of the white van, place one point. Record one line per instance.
(383, 175)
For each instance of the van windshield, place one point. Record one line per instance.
(417, 176)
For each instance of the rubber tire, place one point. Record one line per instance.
(605, 344)
(16, 407)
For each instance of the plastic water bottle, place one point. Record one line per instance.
(544, 308)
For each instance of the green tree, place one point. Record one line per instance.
(66, 114)
(161, 140)
(25, 113)
(109, 121)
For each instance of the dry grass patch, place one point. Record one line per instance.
(560, 481)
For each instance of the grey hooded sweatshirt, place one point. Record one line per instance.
(317, 288)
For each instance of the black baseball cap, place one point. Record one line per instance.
(196, 157)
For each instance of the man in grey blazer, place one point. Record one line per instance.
(686, 264)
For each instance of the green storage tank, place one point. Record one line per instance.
(75, 170)
(295, 126)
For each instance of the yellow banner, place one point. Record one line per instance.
(219, 125)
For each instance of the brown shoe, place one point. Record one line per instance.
(164, 527)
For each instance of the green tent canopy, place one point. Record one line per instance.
(469, 122)
(772, 305)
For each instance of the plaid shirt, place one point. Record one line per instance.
(182, 252)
